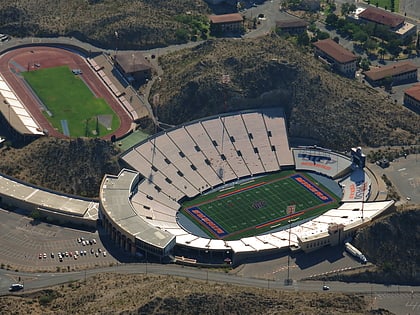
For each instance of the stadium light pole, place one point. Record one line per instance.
(288, 282)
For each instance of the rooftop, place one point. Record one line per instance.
(226, 18)
(381, 16)
(335, 51)
(291, 23)
(414, 91)
(390, 70)
(132, 62)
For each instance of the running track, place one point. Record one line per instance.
(13, 61)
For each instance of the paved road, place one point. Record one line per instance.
(380, 294)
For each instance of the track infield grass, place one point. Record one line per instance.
(68, 98)
(259, 205)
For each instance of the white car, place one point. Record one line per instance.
(93, 241)
(104, 253)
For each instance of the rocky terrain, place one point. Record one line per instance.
(70, 166)
(270, 71)
(148, 295)
(393, 245)
(138, 23)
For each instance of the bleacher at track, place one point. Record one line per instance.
(13, 105)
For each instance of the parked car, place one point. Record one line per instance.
(325, 288)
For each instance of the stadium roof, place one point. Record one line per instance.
(44, 199)
(381, 16)
(390, 70)
(226, 18)
(414, 91)
(335, 51)
(115, 194)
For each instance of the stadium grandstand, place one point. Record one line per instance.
(56, 207)
(140, 208)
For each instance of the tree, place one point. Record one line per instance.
(365, 64)
(303, 39)
(322, 35)
(331, 19)
(370, 44)
(360, 36)
(394, 47)
(381, 53)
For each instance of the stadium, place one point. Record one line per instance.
(151, 207)
(219, 190)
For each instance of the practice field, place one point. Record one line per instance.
(260, 205)
(70, 106)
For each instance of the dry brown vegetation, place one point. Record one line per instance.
(139, 23)
(271, 71)
(149, 294)
(71, 166)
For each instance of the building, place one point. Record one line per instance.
(339, 58)
(292, 26)
(134, 66)
(412, 97)
(226, 23)
(400, 72)
(394, 22)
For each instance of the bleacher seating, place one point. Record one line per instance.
(220, 166)
(257, 133)
(186, 146)
(276, 127)
(218, 135)
(241, 142)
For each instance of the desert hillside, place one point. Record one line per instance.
(271, 71)
(392, 244)
(71, 166)
(139, 23)
(148, 295)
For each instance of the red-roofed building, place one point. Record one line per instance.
(379, 16)
(226, 23)
(340, 59)
(394, 22)
(412, 96)
(292, 26)
(400, 72)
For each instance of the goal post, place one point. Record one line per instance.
(291, 209)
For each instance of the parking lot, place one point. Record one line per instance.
(404, 173)
(37, 246)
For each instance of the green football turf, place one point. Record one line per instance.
(68, 98)
(260, 206)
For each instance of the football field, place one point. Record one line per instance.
(70, 106)
(260, 205)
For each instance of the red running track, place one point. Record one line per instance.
(24, 59)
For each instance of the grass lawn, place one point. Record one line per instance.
(259, 205)
(71, 102)
(387, 4)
